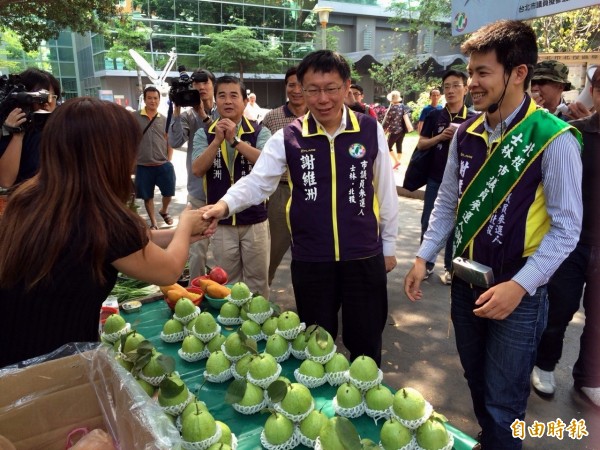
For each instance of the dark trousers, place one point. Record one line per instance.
(497, 357)
(358, 287)
(431, 191)
(396, 138)
(581, 268)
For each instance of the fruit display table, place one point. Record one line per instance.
(149, 322)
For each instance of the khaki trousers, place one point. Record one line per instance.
(243, 251)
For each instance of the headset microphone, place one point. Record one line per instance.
(494, 106)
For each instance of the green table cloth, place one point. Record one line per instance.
(150, 320)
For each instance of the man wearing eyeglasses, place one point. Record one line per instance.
(436, 134)
(343, 208)
(20, 142)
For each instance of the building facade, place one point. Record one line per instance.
(364, 34)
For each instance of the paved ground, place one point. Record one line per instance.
(419, 347)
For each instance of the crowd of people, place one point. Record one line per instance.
(507, 198)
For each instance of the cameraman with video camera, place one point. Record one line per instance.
(31, 100)
(184, 125)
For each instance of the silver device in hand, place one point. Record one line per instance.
(473, 272)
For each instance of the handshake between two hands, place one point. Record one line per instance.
(204, 220)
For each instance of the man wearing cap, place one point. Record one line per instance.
(550, 80)
(579, 270)
(183, 127)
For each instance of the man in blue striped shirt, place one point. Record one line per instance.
(528, 226)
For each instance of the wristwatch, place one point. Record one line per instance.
(236, 141)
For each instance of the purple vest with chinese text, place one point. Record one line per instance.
(333, 212)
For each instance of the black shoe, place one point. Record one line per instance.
(478, 445)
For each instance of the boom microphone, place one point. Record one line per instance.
(494, 106)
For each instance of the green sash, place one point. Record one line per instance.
(501, 171)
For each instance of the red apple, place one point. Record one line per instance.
(218, 274)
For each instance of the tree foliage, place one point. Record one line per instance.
(403, 73)
(123, 34)
(571, 31)
(37, 20)
(239, 51)
(14, 58)
(415, 15)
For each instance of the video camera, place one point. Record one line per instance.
(13, 94)
(182, 93)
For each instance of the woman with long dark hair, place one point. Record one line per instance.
(67, 232)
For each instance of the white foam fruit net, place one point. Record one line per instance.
(204, 444)
(249, 409)
(185, 320)
(352, 413)
(414, 424)
(366, 385)
(337, 378)
(176, 410)
(377, 414)
(219, 377)
(234, 441)
(292, 333)
(232, 358)
(306, 441)
(296, 418)
(229, 321)
(193, 357)
(154, 381)
(298, 354)
(283, 357)
(257, 337)
(322, 359)
(308, 381)
(264, 382)
(260, 318)
(173, 337)
(239, 302)
(205, 337)
(291, 443)
(114, 337)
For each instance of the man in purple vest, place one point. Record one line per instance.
(223, 154)
(343, 208)
(512, 191)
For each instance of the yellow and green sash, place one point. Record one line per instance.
(501, 172)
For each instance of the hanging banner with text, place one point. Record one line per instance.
(469, 15)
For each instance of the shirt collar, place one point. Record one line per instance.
(340, 128)
(144, 113)
(506, 122)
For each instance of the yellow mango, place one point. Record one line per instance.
(174, 295)
(204, 283)
(217, 290)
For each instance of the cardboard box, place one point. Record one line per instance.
(41, 404)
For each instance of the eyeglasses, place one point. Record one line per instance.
(330, 91)
(447, 87)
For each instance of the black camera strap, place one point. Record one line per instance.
(149, 124)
